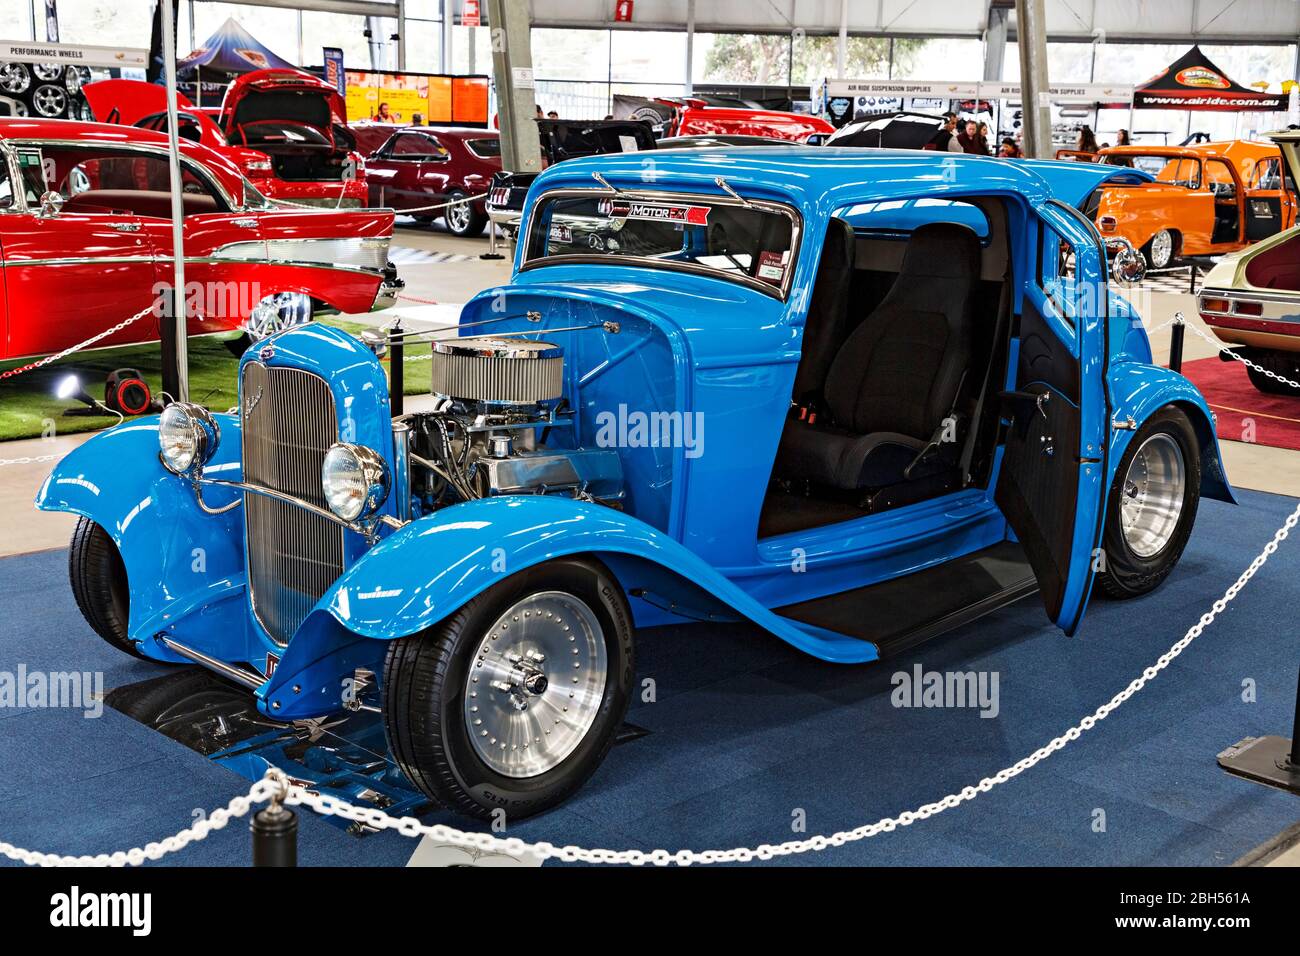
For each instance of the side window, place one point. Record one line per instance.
(416, 146)
(7, 197)
(1056, 272)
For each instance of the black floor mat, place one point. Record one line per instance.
(898, 614)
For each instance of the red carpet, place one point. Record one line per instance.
(1240, 409)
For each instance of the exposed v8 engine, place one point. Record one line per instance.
(499, 401)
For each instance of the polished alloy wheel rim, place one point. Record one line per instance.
(535, 684)
(1162, 247)
(1152, 495)
(458, 217)
(14, 78)
(46, 72)
(49, 100)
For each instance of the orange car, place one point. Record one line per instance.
(1207, 199)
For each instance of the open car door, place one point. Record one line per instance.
(1052, 485)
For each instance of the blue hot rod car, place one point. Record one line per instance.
(858, 398)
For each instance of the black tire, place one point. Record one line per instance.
(99, 584)
(1126, 573)
(424, 696)
(1279, 363)
(471, 225)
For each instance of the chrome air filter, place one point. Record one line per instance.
(503, 371)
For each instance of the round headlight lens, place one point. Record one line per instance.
(187, 437)
(354, 480)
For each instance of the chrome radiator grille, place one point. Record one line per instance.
(293, 555)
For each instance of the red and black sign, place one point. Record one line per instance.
(655, 212)
(1193, 82)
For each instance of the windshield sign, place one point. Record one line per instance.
(752, 244)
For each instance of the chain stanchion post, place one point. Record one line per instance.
(492, 243)
(275, 832)
(1191, 279)
(1176, 343)
(171, 369)
(1273, 761)
(396, 368)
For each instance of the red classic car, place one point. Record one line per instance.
(86, 241)
(136, 103)
(695, 117)
(301, 122)
(419, 166)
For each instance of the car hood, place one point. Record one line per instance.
(127, 102)
(1073, 183)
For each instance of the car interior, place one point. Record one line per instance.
(1227, 214)
(112, 182)
(904, 352)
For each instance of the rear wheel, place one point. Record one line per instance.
(1160, 250)
(1152, 505)
(513, 701)
(99, 584)
(1279, 363)
(463, 219)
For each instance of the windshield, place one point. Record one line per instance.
(1172, 170)
(753, 244)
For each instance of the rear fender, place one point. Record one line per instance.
(1137, 391)
(420, 574)
(178, 559)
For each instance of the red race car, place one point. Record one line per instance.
(695, 117)
(419, 166)
(277, 175)
(86, 241)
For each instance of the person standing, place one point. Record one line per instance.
(945, 141)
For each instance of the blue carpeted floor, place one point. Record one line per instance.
(747, 735)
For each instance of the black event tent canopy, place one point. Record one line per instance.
(1193, 82)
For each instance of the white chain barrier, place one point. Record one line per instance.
(400, 212)
(33, 460)
(274, 785)
(1178, 319)
(39, 363)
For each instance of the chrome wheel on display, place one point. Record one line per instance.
(15, 77)
(49, 101)
(47, 72)
(74, 79)
(536, 684)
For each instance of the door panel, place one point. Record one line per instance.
(219, 291)
(1051, 486)
(73, 275)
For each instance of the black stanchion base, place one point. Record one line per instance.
(1264, 760)
(491, 255)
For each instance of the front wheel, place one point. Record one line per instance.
(98, 579)
(512, 702)
(1152, 505)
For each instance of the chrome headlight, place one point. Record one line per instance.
(355, 480)
(187, 437)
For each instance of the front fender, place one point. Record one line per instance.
(177, 558)
(1137, 390)
(431, 567)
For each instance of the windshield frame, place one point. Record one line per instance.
(781, 292)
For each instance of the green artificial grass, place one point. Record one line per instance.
(28, 408)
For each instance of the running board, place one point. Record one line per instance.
(899, 614)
